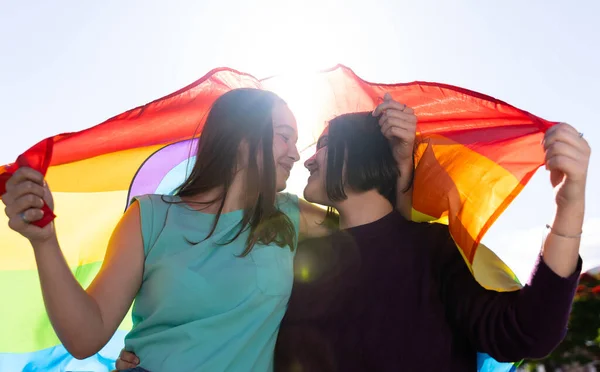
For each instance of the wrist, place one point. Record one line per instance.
(568, 219)
(572, 210)
(405, 175)
(44, 244)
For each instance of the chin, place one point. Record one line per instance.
(308, 196)
(280, 186)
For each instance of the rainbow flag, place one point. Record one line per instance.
(476, 153)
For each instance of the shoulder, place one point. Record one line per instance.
(152, 213)
(287, 201)
(153, 199)
(436, 239)
(288, 204)
(431, 233)
(150, 204)
(438, 232)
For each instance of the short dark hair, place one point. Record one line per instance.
(356, 140)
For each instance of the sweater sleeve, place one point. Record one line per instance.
(509, 326)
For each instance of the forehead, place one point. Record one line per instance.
(283, 117)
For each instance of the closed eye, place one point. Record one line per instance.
(322, 143)
(286, 139)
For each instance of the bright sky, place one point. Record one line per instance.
(68, 65)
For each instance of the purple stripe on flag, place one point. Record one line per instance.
(156, 167)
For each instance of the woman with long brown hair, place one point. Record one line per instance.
(210, 268)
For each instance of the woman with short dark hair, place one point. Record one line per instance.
(387, 294)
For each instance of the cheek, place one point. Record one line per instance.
(279, 148)
(321, 160)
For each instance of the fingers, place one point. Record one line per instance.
(23, 181)
(400, 129)
(397, 120)
(24, 199)
(22, 214)
(566, 152)
(24, 174)
(567, 134)
(561, 164)
(392, 105)
(562, 149)
(22, 222)
(402, 115)
(18, 190)
(25, 204)
(398, 125)
(128, 357)
(123, 365)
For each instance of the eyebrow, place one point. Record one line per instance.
(283, 126)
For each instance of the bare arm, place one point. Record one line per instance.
(312, 218)
(399, 125)
(404, 190)
(83, 320)
(567, 159)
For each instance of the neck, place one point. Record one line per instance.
(235, 200)
(363, 208)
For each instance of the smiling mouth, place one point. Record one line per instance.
(286, 167)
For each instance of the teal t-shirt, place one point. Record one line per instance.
(200, 306)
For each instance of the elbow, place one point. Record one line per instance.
(535, 348)
(80, 350)
(525, 345)
(80, 354)
(544, 347)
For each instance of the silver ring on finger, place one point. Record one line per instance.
(580, 135)
(22, 215)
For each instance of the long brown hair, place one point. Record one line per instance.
(241, 115)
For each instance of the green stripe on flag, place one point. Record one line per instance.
(24, 325)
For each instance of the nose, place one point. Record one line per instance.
(310, 162)
(293, 153)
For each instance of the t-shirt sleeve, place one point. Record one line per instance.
(153, 211)
(289, 205)
(510, 326)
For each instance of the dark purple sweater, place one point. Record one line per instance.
(397, 295)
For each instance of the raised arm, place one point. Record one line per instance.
(531, 322)
(84, 320)
(399, 125)
(510, 326)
